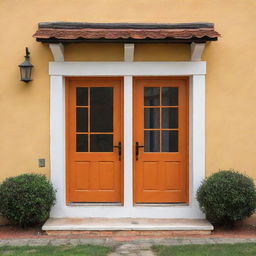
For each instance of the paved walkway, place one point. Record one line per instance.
(129, 248)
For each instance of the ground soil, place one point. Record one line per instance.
(240, 231)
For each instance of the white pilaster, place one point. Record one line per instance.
(128, 156)
(57, 139)
(197, 134)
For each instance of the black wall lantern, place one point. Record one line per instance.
(25, 68)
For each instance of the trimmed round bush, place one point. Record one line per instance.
(26, 200)
(227, 197)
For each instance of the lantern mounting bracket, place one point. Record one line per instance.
(27, 53)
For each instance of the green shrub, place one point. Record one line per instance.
(26, 200)
(226, 197)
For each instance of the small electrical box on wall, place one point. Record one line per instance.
(41, 162)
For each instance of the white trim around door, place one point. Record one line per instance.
(195, 70)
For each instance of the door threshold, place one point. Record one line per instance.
(93, 204)
(161, 204)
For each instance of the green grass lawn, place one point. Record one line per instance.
(207, 250)
(85, 250)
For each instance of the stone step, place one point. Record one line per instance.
(199, 226)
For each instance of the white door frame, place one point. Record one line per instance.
(195, 70)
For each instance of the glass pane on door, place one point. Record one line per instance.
(81, 143)
(161, 119)
(151, 141)
(169, 118)
(151, 118)
(94, 119)
(101, 108)
(170, 96)
(151, 96)
(101, 143)
(169, 141)
(81, 119)
(82, 96)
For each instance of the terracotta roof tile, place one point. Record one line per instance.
(66, 33)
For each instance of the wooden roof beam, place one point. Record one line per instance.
(128, 52)
(57, 51)
(197, 50)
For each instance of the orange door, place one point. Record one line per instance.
(94, 139)
(161, 140)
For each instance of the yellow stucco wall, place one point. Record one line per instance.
(231, 72)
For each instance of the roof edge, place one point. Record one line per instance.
(128, 40)
(81, 25)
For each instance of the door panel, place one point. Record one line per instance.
(94, 125)
(161, 140)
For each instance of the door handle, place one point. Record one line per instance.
(137, 147)
(119, 146)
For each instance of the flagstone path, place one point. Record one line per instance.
(129, 248)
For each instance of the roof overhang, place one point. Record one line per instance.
(76, 32)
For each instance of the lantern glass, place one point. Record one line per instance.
(25, 74)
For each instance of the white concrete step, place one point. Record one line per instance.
(109, 224)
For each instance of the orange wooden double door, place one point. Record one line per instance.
(161, 140)
(94, 142)
(94, 139)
